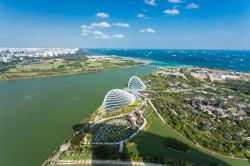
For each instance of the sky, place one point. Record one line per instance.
(170, 24)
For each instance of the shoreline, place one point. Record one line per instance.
(145, 62)
(204, 150)
(65, 74)
(179, 65)
(196, 146)
(61, 102)
(123, 67)
(149, 62)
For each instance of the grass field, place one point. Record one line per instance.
(76, 156)
(61, 67)
(43, 66)
(152, 143)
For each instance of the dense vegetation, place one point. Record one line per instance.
(223, 136)
(78, 56)
(176, 145)
(160, 82)
(111, 153)
(242, 86)
(75, 139)
(200, 128)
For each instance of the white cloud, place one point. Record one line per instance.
(141, 15)
(171, 11)
(101, 25)
(148, 30)
(192, 6)
(101, 35)
(87, 31)
(117, 36)
(102, 15)
(122, 25)
(150, 2)
(91, 30)
(86, 27)
(176, 1)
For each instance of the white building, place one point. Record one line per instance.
(117, 99)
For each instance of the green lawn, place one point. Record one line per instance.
(42, 66)
(152, 143)
(76, 156)
(62, 67)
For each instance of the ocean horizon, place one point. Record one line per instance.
(236, 60)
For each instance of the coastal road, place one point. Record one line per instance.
(106, 162)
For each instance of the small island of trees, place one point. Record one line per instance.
(176, 145)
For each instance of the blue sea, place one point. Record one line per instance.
(236, 60)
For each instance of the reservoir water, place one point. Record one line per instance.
(37, 115)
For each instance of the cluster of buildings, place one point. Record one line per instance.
(6, 54)
(126, 125)
(5, 58)
(213, 76)
(136, 117)
(219, 107)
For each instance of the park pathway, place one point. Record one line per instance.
(108, 162)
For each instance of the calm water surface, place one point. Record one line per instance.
(36, 115)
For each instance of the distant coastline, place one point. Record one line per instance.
(233, 60)
(60, 67)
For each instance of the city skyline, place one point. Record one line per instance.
(127, 24)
